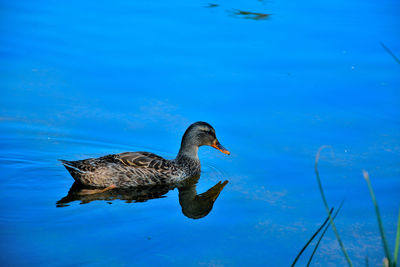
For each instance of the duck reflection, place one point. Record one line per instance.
(193, 205)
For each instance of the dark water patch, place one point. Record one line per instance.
(211, 5)
(250, 15)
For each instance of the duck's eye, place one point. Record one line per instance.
(210, 133)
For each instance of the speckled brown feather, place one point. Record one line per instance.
(127, 169)
(123, 170)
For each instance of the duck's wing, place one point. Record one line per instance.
(123, 170)
(144, 160)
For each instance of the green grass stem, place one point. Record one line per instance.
(311, 239)
(322, 235)
(346, 255)
(396, 247)
(390, 52)
(378, 217)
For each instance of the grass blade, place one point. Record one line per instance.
(390, 52)
(396, 247)
(346, 255)
(311, 239)
(378, 217)
(322, 235)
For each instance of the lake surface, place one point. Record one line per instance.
(83, 79)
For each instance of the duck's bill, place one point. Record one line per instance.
(218, 146)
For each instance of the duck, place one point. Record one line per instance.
(133, 169)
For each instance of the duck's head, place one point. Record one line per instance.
(200, 134)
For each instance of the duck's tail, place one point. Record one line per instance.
(72, 168)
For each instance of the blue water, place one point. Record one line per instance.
(83, 79)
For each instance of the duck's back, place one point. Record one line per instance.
(124, 170)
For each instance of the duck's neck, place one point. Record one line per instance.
(188, 152)
(188, 159)
(189, 148)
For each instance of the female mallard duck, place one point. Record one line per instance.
(144, 168)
